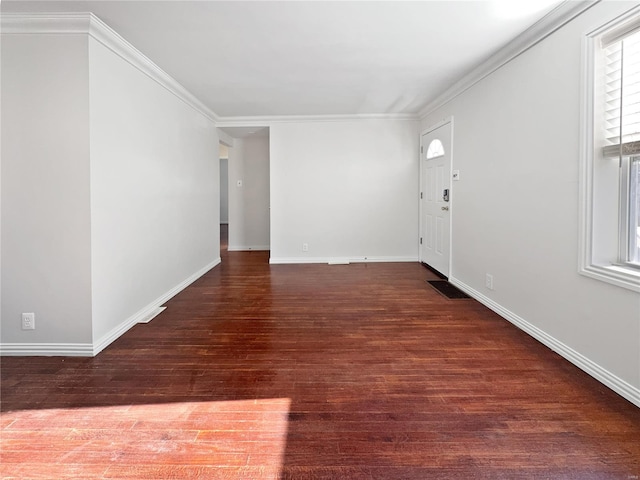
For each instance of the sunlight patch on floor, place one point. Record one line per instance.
(172, 440)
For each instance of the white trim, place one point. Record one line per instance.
(297, 260)
(150, 309)
(46, 349)
(598, 372)
(89, 24)
(268, 120)
(554, 20)
(247, 248)
(45, 23)
(620, 276)
(224, 138)
(435, 126)
(625, 29)
(341, 260)
(585, 173)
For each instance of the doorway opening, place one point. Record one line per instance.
(248, 220)
(224, 197)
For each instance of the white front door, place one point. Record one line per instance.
(435, 188)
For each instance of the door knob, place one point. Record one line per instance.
(444, 208)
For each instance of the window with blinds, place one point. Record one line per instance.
(622, 130)
(622, 95)
(610, 163)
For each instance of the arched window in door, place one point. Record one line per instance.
(435, 149)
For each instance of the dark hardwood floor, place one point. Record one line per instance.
(315, 372)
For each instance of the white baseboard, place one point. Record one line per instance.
(245, 248)
(46, 349)
(601, 374)
(338, 260)
(91, 350)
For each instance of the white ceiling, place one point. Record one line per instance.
(312, 58)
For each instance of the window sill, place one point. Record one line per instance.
(619, 275)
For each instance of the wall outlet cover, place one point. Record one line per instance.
(28, 321)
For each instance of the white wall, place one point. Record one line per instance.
(515, 209)
(45, 189)
(110, 189)
(249, 204)
(348, 189)
(154, 190)
(0, 192)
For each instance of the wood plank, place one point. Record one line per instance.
(314, 371)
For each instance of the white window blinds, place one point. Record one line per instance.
(622, 95)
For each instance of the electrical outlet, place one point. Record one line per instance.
(488, 282)
(28, 321)
(305, 247)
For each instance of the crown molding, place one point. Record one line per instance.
(44, 23)
(224, 138)
(89, 24)
(267, 120)
(551, 22)
(104, 34)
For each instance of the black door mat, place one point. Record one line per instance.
(446, 289)
(433, 270)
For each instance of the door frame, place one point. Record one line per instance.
(441, 123)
